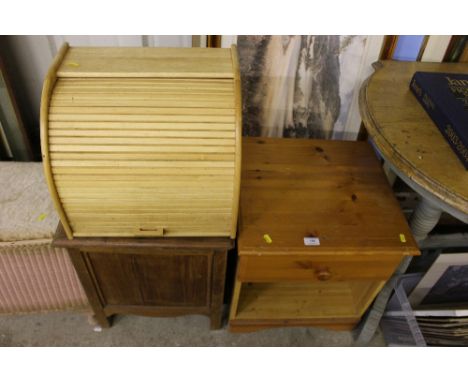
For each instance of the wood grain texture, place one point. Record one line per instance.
(335, 191)
(405, 134)
(216, 297)
(245, 326)
(238, 128)
(147, 62)
(283, 301)
(47, 90)
(330, 190)
(215, 243)
(164, 280)
(155, 114)
(307, 268)
(151, 276)
(89, 285)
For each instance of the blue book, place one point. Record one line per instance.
(444, 96)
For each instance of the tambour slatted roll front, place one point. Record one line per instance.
(143, 141)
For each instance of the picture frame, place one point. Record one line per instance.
(285, 65)
(444, 286)
(14, 139)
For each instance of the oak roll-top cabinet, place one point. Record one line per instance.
(143, 141)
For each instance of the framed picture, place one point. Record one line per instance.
(445, 284)
(298, 86)
(14, 140)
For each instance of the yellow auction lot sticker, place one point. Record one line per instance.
(267, 239)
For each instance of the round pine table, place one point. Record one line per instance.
(411, 144)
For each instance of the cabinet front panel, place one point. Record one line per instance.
(173, 280)
(115, 277)
(157, 280)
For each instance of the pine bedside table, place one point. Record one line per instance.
(320, 232)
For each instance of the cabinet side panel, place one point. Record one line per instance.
(47, 90)
(238, 144)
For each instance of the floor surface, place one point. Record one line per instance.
(74, 329)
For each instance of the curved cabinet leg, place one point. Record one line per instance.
(424, 219)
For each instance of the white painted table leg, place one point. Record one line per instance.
(424, 219)
(389, 173)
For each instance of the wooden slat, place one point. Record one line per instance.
(146, 62)
(220, 195)
(164, 199)
(141, 126)
(143, 149)
(139, 177)
(84, 198)
(122, 82)
(142, 156)
(116, 95)
(140, 110)
(141, 133)
(141, 164)
(141, 118)
(146, 187)
(90, 205)
(148, 171)
(148, 209)
(143, 183)
(222, 104)
(193, 220)
(145, 135)
(150, 194)
(143, 85)
(155, 190)
(172, 232)
(129, 227)
(155, 204)
(117, 218)
(129, 93)
(201, 88)
(149, 80)
(109, 53)
(132, 227)
(140, 141)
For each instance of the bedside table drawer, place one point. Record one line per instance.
(317, 268)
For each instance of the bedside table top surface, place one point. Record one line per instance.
(335, 191)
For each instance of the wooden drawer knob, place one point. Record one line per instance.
(323, 274)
